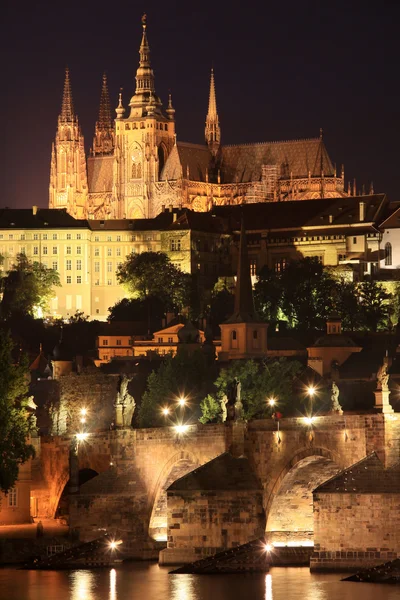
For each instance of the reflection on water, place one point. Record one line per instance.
(182, 587)
(113, 584)
(82, 585)
(268, 587)
(148, 581)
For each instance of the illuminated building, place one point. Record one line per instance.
(137, 166)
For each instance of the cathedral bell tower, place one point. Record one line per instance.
(144, 140)
(68, 176)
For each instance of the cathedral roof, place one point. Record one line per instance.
(243, 163)
(189, 161)
(199, 221)
(100, 173)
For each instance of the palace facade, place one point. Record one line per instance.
(136, 164)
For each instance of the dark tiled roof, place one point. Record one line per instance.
(285, 343)
(123, 328)
(295, 214)
(222, 473)
(45, 218)
(368, 476)
(391, 216)
(161, 221)
(297, 157)
(100, 173)
(335, 340)
(199, 221)
(196, 157)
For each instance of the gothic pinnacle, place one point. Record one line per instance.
(120, 109)
(104, 121)
(67, 107)
(212, 130)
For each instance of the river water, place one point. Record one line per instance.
(144, 581)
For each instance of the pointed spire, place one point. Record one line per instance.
(212, 130)
(244, 304)
(170, 109)
(104, 122)
(67, 107)
(120, 108)
(371, 188)
(145, 100)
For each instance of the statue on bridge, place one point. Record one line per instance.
(382, 376)
(335, 405)
(238, 400)
(124, 404)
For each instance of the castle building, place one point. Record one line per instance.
(137, 165)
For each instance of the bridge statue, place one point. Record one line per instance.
(335, 405)
(223, 402)
(238, 401)
(382, 392)
(382, 377)
(124, 403)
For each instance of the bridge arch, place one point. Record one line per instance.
(61, 508)
(289, 506)
(177, 466)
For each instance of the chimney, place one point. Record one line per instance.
(330, 218)
(163, 208)
(174, 217)
(362, 211)
(34, 210)
(171, 208)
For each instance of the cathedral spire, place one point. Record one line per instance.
(144, 102)
(212, 130)
(103, 141)
(67, 108)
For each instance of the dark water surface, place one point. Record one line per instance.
(144, 581)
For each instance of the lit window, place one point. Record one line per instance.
(68, 250)
(119, 343)
(35, 250)
(44, 249)
(175, 245)
(118, 252)
(69, 280)
(79, 279)
(78, 236)
(79, 265)
(388, 254)
(118, 238)
(109, 252)
(109, 267)
(253, 266)
(170, 340)
(12, 497)
(68, 265)
(68, 236)
(55, 265)
(105, 342)
(35, 236)
(79, 250)
(55, 250)
(160, 340)
(97, 267)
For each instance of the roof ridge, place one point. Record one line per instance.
(272, 142)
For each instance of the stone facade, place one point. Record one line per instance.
(357, 517)
(214, 508)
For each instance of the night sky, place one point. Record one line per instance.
(282, 69)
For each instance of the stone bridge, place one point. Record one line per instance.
(135, 466)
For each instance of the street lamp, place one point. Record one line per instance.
(271, 401)
(182, 401)
(165, 411)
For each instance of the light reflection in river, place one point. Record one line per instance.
(182, 587)
(113, 584)
(268, 587)
(82, 585)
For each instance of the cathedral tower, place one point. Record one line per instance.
(68, 177)
(103, 141)
(212, 131)
(144, 140)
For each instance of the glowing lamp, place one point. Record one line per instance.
(179, 429)
(82, 436)
(311, 391)
(309, 420)
(83, 420)
(165, 411)
(83, 412)
(182, 401)
(113, 545)
(271, 401)
(267, 547)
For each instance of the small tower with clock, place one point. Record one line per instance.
(143, 141)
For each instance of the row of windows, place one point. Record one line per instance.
(161, 126)
(38, 236)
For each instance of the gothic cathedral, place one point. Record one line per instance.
(137, 166)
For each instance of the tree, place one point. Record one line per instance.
(308, 293)
(28, 287)
(347, 304)
(210, 409)
(221, 307)
(259, 381)
(268, 295)
(151, 274)
(181, 375)
(133, 309)
(373, 305)
(14, 424)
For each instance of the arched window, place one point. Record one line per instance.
(234, 341)
(388, 253)
(255, 334)
(234, 335)
(136, 171)
(161, 159)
